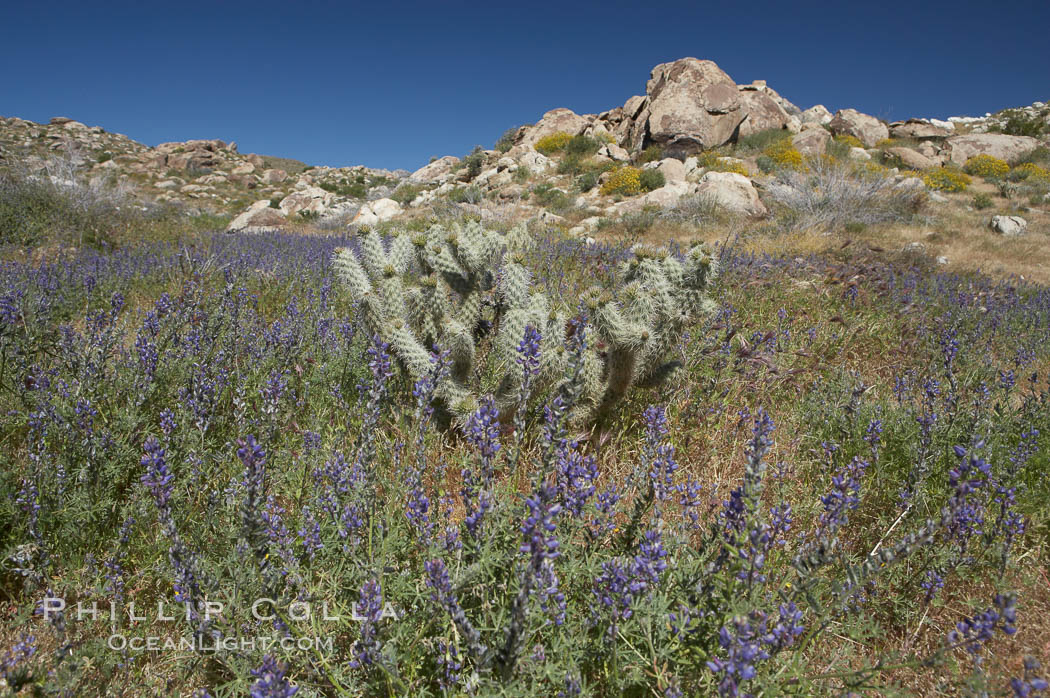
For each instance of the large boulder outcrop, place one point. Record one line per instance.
(376, 212)
(309, 199)
(436, 171)
(920, 129)
(733, 192)
(259, 218)
(762, 113)
(817, 114)
(692, 106)
(811, 141)
(554, 121)
(911, 159)
(959, 149)
(867, 129)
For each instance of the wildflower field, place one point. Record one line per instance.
(220, 477)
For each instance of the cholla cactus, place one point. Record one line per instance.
(450, 287)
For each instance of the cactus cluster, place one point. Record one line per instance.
(466, 290)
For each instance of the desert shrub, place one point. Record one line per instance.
(275, 202)
(986, 166)
(828, 197)
(1020, 123)
(695, 209)
(506, 141)
(837, 150)
(784, 155)
(356, 189)
(309, 216)
(1028, 171)
(406, 192)
(105, 157)
(982, 201)
(474, 162)
(848, 141)
(623, 181)
(588, 180)
(61, 206)
(466, 195)
(550, 197)
(522, 174)
(762, 140)
(650, 154)
(651, 179)
(571, 165)
(553, 143)
(582, 146)
(765, 163)
(1040, 155)
(715, 161)
(946, 179)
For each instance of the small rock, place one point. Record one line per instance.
(942, 260)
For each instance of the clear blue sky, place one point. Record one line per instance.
(392, 84)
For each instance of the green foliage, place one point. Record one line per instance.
(474, 162)
(650, 154)
(550, 197)
(986, 166)
(946, 179)
(582, 146)
(466, 195)
(506, 141)
(762, 140)
(651, 179)
(357, 189)
(982, 201)
(473, 278)
(275, 202)
(405, 193)
(765, 163)
(37, 211)
(1020, 123)
(784, 155)
(623, 181)
(104, 157)
(308, 216)
(553, 143)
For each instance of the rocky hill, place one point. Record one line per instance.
(695, 140)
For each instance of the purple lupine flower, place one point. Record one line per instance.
(743, 643)
(253, 524)
(660, 456)
(11, 665)
(649, 563)
(1030, 684)
(310, 533)
(482, 433)
(933, 582)
(157, 478)
(271, 680)
(168, 425)
(370, 609)
(972, 633)
(450, 663)
(115, 564)
(843, 497)
(417, 508)
(442, 594)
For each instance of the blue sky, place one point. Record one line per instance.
(392, 84)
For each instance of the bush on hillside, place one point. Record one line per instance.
(651, 179)
(553, 143)
(946, 179)
(986, 166)
(624, 181)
